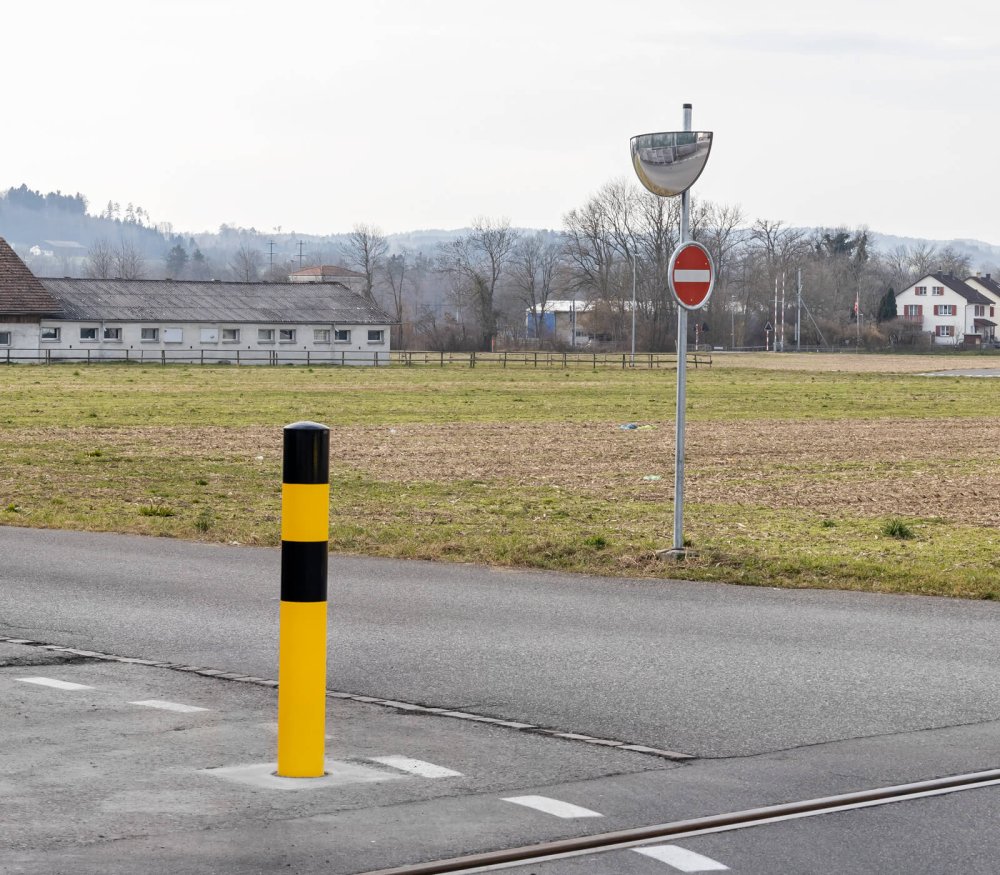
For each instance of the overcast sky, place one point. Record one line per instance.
(428, 113)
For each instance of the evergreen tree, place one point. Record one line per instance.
(176, 260)
(886, 307)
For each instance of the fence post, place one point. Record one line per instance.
(472, 359)
(305, 533)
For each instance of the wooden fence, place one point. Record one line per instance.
(523, 359)
(398, 358)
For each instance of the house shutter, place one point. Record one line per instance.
(920, 309)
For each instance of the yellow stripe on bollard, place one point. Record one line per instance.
(302, 690)
(305, 511)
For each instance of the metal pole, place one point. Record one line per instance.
(305, 532)
(775, 312)
(633, 308)
(798, 317)
(782, 311)
(678, 548)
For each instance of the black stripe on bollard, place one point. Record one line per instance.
(307, 453)
(303, 571)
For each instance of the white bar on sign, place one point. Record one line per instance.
(51, 682)
(416, 767)
(692, 276)
(682, 859)
(554, 807)
(168, 706)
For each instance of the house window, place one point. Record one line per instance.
(88, 333)
(937, 290)
(980, 310)
(149, 334)
(230, 335)
(51, 333)
(173, 335)
(286, 335)
(4, 338)
(265, 335)
(342, 335)
(375, 335)
(209, 335)
(944, 310)
(114, 333)
(946, 331)
(911, 310)
(920, 290)
(321, 335)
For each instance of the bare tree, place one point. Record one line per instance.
(101, 260)
(365, 250)
(129, 262)
(395, 271)
(246, 263)
(535, 265)
(475, 263)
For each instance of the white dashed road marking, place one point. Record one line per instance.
(681, 859)
(554, 807)
(51, 682)
(416, 767)
(168, 706)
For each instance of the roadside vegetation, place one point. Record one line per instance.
(846, 472)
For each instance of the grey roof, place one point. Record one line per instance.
(988, 282)
(956, 285)
(180, 301)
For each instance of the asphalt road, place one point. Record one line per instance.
(710, 670)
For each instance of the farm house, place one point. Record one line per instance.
(45, 319)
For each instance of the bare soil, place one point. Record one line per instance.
(943, 468)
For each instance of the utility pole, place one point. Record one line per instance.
(798, 317)
(301, 244)
(775, 312)
(782, 311)
(270, 257)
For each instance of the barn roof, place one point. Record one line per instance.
(21, 293)
(328, 270)
(117, 300)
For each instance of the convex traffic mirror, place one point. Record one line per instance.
(669, 163)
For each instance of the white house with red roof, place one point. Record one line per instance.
(948, 309)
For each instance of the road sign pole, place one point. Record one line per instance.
(678, 548)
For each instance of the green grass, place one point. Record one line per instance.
(193, 452)
(110, 395)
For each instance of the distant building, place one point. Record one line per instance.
(330, 273)
(184, 321)
(948, 309)
(990, 288)
(564, 322)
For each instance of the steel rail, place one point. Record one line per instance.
(621, 839)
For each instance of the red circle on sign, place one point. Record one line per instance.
(691, 275)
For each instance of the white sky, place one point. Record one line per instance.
(425, 114)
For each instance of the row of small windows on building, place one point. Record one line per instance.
(978, 310)
(207, 335)
(935, 290)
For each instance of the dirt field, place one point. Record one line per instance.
(852, 363)
(929, 468)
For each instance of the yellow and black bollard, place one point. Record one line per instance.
(305, 532)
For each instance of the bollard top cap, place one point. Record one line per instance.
(307, 425)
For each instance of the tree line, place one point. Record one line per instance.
(489, 285)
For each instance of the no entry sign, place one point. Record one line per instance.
(691, 275)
